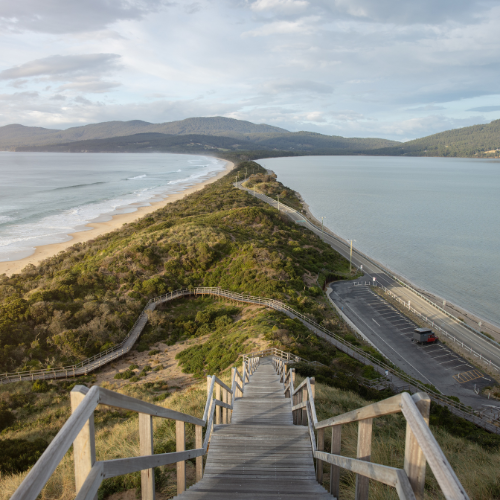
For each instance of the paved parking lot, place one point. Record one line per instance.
(392, 334)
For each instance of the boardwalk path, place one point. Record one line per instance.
(261, 454)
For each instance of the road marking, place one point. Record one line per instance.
(463, 377)
(375, 322)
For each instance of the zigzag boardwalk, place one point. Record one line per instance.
(261, 454)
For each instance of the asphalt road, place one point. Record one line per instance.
(480, 345)
(391, 333)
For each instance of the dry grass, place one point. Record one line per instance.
(116, 440)
(477, 468)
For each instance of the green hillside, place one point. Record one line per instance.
(80, 302)
(475, 141)
(13, 136)
(148, 142)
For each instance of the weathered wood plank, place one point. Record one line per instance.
(47, 463)
(146, 448)
(180, 444)
(117, 400)
(415, 462)
(443, 472)
(84, 444)
(386, 407)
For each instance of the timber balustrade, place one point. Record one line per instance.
(338, 341)
(79, 431)
(420, 447)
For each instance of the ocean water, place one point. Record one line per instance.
(45, 196)
(435, 221)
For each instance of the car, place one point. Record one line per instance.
(424, 336)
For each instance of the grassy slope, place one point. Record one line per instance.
(219, 236)
(85, 299)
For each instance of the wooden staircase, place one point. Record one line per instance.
(262, 436)
(260, 454)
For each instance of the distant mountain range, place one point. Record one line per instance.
(190, 135)
(219, 134)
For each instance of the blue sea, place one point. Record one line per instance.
(435, 221)
(46, 196)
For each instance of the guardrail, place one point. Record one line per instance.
(355, 352)
(79, 432)
(271, 201)
(430, 322)
(420, 448)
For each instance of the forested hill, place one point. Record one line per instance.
(190, 135)
(476, 141)
(15, 135)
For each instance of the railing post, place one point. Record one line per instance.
(84, 444)
(304, 410)
(414, 458)
(198, 430)
(335, 469)
(146, 448)
(224, 410)
(180, 442)
(217, 408)
(319, 463)
(364, 453)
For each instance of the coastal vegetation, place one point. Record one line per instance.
(82, 301)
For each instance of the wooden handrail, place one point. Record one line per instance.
(79, 431)
(421, 446)
(357, 353)
(385, 407)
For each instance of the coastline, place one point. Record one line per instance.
(99, 228)
(469, 318)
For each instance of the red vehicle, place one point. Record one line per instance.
(424, 336)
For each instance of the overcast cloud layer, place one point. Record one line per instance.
(399, 69)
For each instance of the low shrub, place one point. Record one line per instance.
(7, 418)
(153, 352)
(124, 375)
(18, 455)
(161, 397)
(40, 386)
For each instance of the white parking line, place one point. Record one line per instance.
(375, 322)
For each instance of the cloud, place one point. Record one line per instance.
(295, 86)
(426, 108)
(62, 66)
(89, 85)
(192, 8)
(406, 12)
(71, 16)
(19, 96)
(485, 109)
(302, 26)
(279, 5)
(82, 100)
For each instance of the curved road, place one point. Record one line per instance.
(482, 346)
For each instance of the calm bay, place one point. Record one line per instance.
(434, 221)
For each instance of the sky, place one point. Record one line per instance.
(398, 69)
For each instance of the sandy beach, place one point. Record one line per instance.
(98, 228)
